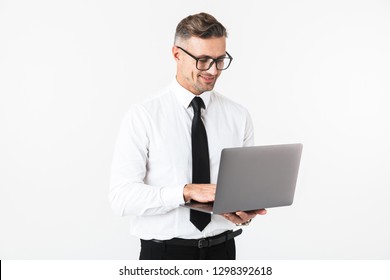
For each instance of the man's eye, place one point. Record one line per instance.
(204, 59)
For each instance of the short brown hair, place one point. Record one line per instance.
(200, 25)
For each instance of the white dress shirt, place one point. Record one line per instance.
(152, 160)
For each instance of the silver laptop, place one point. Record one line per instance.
(253, 178)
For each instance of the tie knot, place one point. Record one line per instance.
(197, 104)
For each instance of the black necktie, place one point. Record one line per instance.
(200, 160)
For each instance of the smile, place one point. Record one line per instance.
(207, 79)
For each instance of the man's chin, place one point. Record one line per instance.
(207, 87)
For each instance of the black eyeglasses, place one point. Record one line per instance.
(205, 63)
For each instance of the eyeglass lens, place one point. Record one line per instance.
(206, 63)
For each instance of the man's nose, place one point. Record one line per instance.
(213, 69)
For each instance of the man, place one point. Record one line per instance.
(168, 152)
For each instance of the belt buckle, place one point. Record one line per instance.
(202, 243)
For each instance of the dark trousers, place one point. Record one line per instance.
(151, 250)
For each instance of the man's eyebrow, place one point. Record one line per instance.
(207, 56)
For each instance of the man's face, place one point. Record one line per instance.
(188, 76)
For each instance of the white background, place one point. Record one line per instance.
(315, 72)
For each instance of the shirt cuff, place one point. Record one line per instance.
(172, 196)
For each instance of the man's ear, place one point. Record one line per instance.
(176, 53)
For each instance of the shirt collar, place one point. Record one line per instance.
(185, 97)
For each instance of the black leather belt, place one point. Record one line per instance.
(202, 242)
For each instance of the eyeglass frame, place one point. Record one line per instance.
(214, 60)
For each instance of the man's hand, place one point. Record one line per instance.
(243, 217)
(199, 192)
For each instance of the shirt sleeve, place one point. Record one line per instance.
(128, 193)
(249, 136)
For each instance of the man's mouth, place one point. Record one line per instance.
(207, 79)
